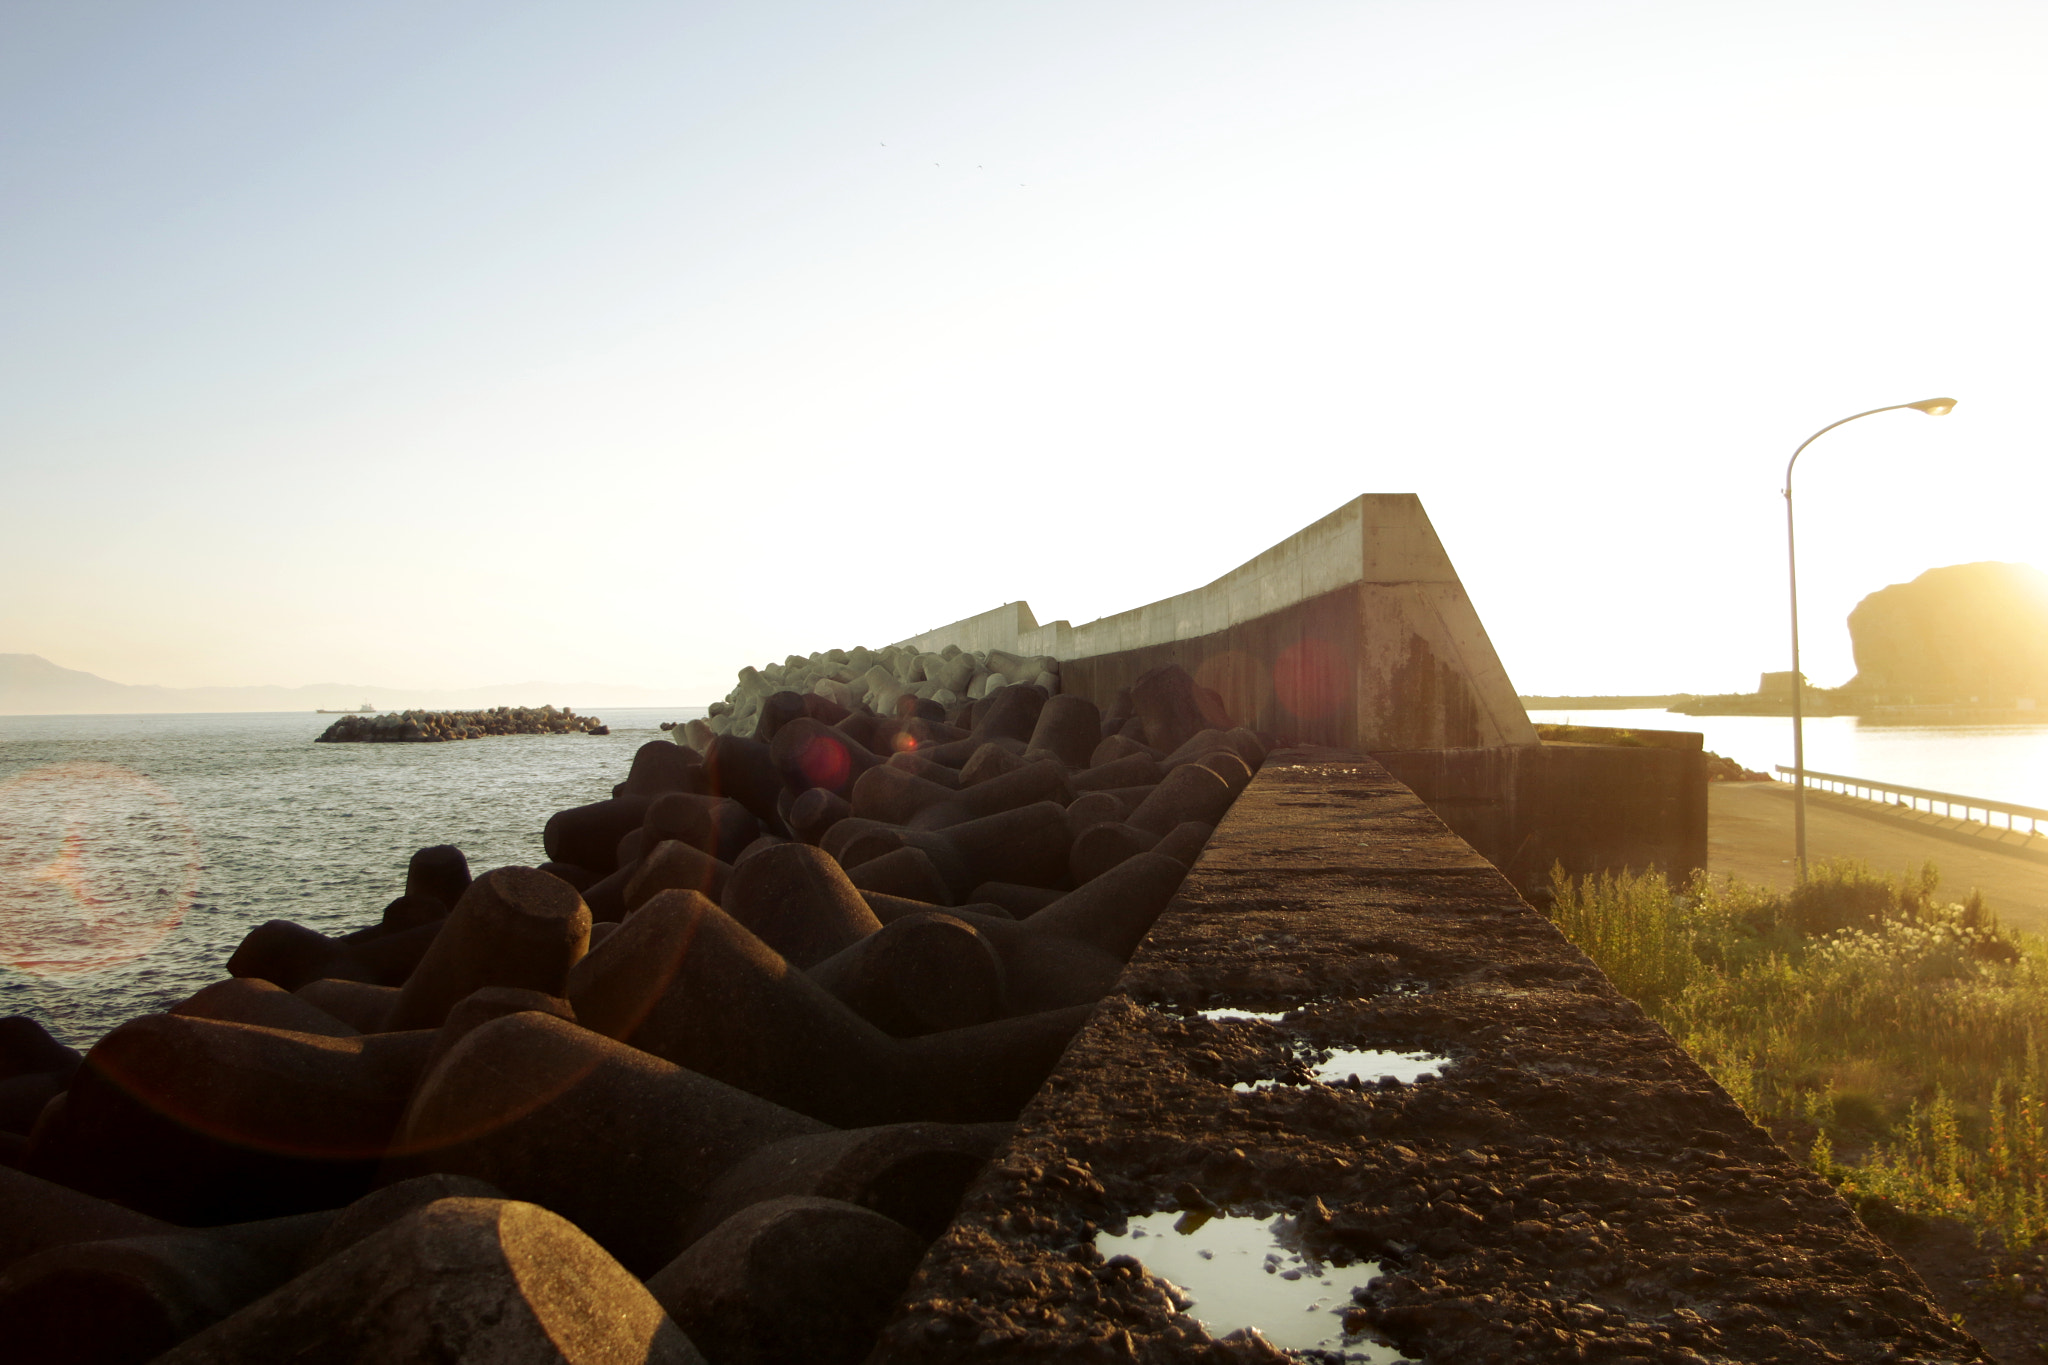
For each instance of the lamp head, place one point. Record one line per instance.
(1935, 407)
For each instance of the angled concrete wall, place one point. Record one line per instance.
(1353, 631)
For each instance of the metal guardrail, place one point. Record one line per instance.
(1865, 789)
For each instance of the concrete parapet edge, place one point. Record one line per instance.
(1573, 1186)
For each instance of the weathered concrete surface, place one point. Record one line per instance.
(1354, 630)
(1347, 668)
(1587, 807)
(1572, 1187)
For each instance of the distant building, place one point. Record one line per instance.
(1778, 685)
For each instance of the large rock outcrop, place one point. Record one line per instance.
(1968, 634)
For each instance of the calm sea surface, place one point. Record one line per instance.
(136, 851)
(1997, 762)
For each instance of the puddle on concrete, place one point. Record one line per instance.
(1240, 1272)
(1324, 1065)
(1225, 1013)
(1336, 1066)
(1408, 1067)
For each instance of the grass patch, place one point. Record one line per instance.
(1898, 1039)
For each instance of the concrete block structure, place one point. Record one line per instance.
(1355, 632)
(1333, 923)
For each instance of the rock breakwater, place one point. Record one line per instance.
(702, 1086)
(882, 681)
(433, 727)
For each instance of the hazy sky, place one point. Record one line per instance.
(439, 344)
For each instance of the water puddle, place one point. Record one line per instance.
(1407, 1067)
(1327, 1065)
(1338, 1066)
(1241, 1272)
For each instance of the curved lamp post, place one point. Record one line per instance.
(1933, 407)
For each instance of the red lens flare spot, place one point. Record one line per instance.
(903, 743)
(825, 763)
(98, 865)
(1309, 680)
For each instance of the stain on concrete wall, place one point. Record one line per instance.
(1330, 670)
(1353, 631)
(1586, 807)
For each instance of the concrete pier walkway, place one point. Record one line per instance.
(1555, 1181)
(1749, 835)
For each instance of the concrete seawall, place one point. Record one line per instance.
(1353, 631)
(1585, 807)
(1570, 1186)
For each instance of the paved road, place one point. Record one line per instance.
(1749, 834)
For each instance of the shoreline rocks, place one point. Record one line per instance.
(434, 727)
(731, 1056)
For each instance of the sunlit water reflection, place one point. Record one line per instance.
(1245, 1272)
(1996, 762)
(1338, 1066)
(109, 822)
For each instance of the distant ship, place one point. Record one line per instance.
(363, 710)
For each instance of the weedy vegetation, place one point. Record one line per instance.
(1899, 1040)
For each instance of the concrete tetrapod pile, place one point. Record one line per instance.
(877, 680)
(702, 1087)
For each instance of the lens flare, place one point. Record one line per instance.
(1309, 679)
(98, 865)
(825, 763)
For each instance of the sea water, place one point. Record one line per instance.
(1994, 762)
(136, 851)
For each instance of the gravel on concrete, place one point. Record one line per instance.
(1571, 1186)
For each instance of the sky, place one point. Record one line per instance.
(444, 344)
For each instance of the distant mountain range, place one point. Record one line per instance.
(31, 685)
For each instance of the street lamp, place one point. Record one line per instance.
(1933, 407)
